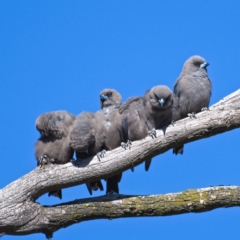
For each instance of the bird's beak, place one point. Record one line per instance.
(161, 101)
(103, 97)
(204, 65)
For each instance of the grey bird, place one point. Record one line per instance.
(142, 115)
(85, 140)
(53, 144)
(110, 101)
(93, 134)
(193, 88)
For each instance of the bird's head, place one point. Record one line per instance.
(194, 64)
(160, 97)
(54, 123)
(110, 97)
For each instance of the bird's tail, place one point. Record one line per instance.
(112, 184)
(56, 193)
(94, 186)
(178, 150)
(147, 164)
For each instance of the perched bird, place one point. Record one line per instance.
(142, 115)
(93, 134)
(53, 144)
(193, 88)
(85, 139)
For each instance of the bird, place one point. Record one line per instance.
(94, 133)
(143, 115)
(86, 142)
(110, 101)
(53, 144)
(193, 88)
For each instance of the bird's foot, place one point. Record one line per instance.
(153, 133)
(205, 109)
(44, 160)
(192, 115)
(126, 145)
(172, 122)
(101, 154)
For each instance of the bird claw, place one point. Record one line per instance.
(192, 115)
(44, 160)
(101, 154)
(205, 109)
(153, 133)
(126, 145)
(172, 122)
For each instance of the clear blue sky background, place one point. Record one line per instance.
(58, 55)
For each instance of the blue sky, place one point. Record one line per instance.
(59, 55)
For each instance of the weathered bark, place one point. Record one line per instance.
(19, 214)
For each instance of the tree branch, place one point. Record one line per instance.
(19, 214)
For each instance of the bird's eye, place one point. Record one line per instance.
(195, 63)
(109, 94)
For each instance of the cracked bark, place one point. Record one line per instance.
(20, 214)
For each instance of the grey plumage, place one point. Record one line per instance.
(53, 144)
(134, 120)
(85, 140)
(159, 106)
(193, 87)
(82, 138)
(176, 116)
(93, 133)
(113, 133)
(143, 114)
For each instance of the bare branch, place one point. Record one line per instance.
(50, 219)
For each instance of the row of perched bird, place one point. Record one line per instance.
(118, 124)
